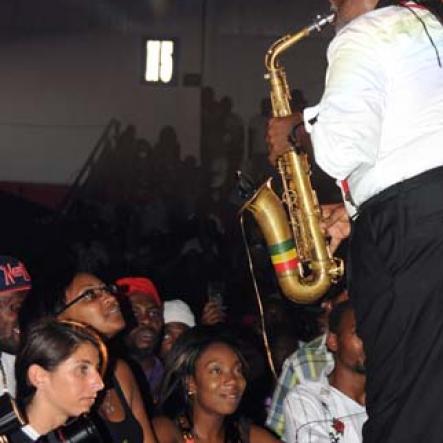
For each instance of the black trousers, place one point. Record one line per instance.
(396, 284)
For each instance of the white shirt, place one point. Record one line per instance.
(315, 411)
(380, 120)
(30, 432)
(8, 362)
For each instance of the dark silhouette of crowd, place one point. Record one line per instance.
(166, 231)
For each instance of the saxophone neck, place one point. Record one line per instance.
(285, 42)
(281, 45)
(280, 93)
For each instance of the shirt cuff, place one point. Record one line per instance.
(309, 117)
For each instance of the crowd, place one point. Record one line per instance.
(119, 363)
(146, 209)
(142, 225)
(114, 359)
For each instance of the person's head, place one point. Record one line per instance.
(343, 340)
(59, 368)
(15, 284)
(85, 298)
(335, 296)
(205, 370)
(147, 309)
(348, 10)
(178, 318)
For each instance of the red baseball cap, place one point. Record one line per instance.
(139, 285)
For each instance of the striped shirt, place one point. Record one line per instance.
(316, 412)
(310, 362)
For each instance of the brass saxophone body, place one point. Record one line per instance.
(298, 248)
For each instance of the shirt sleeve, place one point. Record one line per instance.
(305, 420)
(287, 379)
(346, 134)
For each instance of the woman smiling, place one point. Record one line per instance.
(204, 383)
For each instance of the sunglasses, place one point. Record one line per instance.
(91, 294)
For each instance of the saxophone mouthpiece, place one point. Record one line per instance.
(332, 16)
(322, 20)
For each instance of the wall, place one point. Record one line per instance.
(59, 89)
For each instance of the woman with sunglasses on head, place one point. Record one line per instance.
(59, 371)
(83, 297)
(205, 378)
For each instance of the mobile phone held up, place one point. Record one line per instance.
(215, 292)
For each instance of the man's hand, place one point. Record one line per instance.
(279, 129)
(213, 313)
(336, 223)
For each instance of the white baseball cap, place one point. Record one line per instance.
(178, 311)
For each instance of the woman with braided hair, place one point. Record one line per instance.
(205, 378)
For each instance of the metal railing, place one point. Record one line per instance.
(106, 141)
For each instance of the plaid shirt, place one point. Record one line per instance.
(310, 362)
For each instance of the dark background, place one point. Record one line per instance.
(158, 197)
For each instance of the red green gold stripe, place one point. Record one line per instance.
(284, 256)
(290, 265)
(279, 248)
(280, 258)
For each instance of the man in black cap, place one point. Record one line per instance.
(15, 283)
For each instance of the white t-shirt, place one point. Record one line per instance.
(8, 363)
(316, 412)
(30, 432)
(380, 120)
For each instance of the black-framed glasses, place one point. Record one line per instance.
(91, 294)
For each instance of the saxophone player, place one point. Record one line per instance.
(378, 130)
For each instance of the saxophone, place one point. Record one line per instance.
(298, 248)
